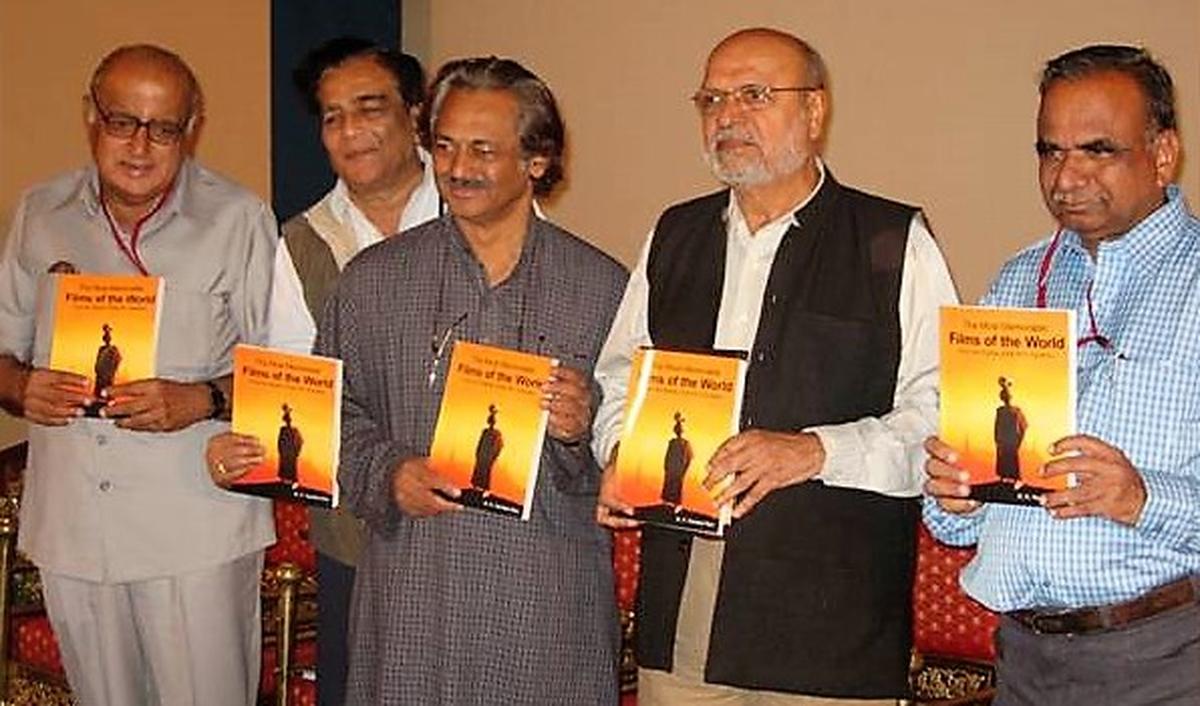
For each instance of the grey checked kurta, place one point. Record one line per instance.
(471, 608)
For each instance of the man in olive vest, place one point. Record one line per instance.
(833, 294)
(367, 99)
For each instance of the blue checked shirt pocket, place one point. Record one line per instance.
(1152, 411)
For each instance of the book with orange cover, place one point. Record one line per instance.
(106, 329)
(680, 408)
(491, 427)
(293, 404)
(1007, 394)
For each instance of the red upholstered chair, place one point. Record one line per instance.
(291, 534)
(31, 670)
(952, 634)
(627, 553)
(32, 683)
(290, 610)
(302, 688)
(34, 646)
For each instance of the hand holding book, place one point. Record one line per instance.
(156, 404)
(948, 483)
(1107, 483)
(1007, 393)
(756, 462)
(106, 331)
(420, 491)
(568, 397)
(682, 407)
(611, 511)
(290, 404)
(53, 397)
(230, 455)
(492, 423)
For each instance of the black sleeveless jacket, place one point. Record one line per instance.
(815, 588)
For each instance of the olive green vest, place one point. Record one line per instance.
(319, 260)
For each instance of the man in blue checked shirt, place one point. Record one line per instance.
(1098, 590)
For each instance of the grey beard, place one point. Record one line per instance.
(754, 174)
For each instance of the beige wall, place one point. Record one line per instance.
(934, 100)
(48, 49)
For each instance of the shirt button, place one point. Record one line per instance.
(101, 440)
(105, 486)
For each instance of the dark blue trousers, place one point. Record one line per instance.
(335, 581)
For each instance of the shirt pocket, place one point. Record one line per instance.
(187, 333)
(1153, 411)
(43, 331)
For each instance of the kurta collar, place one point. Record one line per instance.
(733, 212)
(177, 202)
(462, 249)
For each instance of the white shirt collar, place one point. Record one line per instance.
(766, 239)
(737, 221)
(423, 204)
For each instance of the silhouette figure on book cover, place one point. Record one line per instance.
(487, 449)
(108, 359)
(289, 443)
(1009, 432)
(675, 464)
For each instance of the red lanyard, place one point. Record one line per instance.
(130, 251)
(1043, 280)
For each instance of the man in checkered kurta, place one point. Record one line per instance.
(455, 606)
(1099, 591)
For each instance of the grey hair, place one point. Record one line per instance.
(539, 124)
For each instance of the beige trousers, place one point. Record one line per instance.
(190, 640)
(685, 684)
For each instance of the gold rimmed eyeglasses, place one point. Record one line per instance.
(751, 96)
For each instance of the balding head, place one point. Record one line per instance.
(762, 108)
(151, 56)
(807, 63)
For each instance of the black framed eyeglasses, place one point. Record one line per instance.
(751, 96)
(123, 126)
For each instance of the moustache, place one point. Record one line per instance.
(1067, 200)
(731, 132)
(465, 183)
